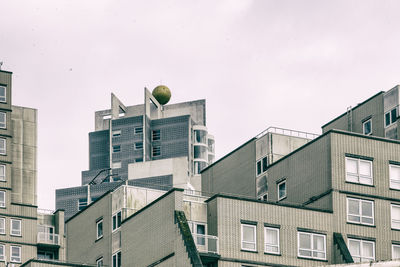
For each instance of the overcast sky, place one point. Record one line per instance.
(258, 63)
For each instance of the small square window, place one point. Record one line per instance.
(99, 229)
(282, 190)
(311, 245)
(263, 197)
(116, 149)
(271, 238)
(2, 225)
(361, 250)
(139, 145)
(82, 203)
(15, 253)
(262, 165)
(3, 146)
(249, 237)
(390, 117)
(156, 135)
(359, 171)
(2, 199)
(138, 130)
(16, 227)
(116, 220)
(3, 120)
(2, 172)
(394, 174)
(360, 211)
(156, 151)
(395, 251)
(2, 93)
(395, 214)
(367, 127)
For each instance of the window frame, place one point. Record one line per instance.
(138, 146)
(278, 191)
(3, 204)
(117, 224)
(393, 181)
(361, 241)
(117, 256)
(3, 230)
(359, 176)
(312, 249)
(99, 235)
(364, 124)
(100, 262)
(116, 133)
(391, 120)
(254, 236)
(116, 148)
(261, 164)
(4, 151)
(270, 244)
(157, 147)
(11, 254)
(3, 257)
(156, 135)
(3, 126)
(19, 231)
(4, 167)
(5, 94)
(391, 216)
(138, 130)
(360, 201)
(80, 204)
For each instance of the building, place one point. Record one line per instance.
(129, 141)
(25, 231)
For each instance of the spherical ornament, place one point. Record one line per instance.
(162, 94)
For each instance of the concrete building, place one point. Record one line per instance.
(25, 231)
(129, 141)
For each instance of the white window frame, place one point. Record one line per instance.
(390, 117)
(3, 125)
(267, 244)
(3, 100)
(99, 235)
(99, 262)
(3, 173)
(312, 249)
(360, 201)
(116, 133)
(361, 249)
(15, 258)
(115, 226)
(248, 242)
(358, 175)
(3, 143)
(263, 197)
(394, 183)
(364, 124)
(198, 238)
(3, 229)
(117, 256)
(3, 256)
(18, 230)
(393, 247)
(394, 221)
(82, 205)
(277, 188)
(3, 204)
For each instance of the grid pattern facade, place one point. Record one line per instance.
(99, 147)
(159, 182)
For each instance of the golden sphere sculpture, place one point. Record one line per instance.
(162, 94)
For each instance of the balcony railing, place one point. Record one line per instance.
(206, 243)
(47, 238)
(288, 132)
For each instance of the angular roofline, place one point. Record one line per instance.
(358, 105)
(6, 71)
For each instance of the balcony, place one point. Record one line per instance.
(48, 239)
(206, 243)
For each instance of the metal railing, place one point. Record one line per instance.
(206, 243)
(47, 238)
(45, 211)
(288, 132)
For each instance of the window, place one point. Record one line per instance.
(116, 133)
(2, 199)
(2, 93)
(116, 220)
(99, 229)
(390, 117)
(282, 190)
(359, 171)
(45, 255)
(198, 230)
(16, 227)
(116, 149)
(139, 145)
(395, 212)
(361, 250)
(156, 135)
(311, 245)
(262, 165)
(394, 173)
(271, 239)
(15, 253)
(263, 197)
(82, 203)
(139, 160)
(249, 237)
(116, 165)
(2, 172)
(99, 262)
(3, 145)
(395, 251)
(156, 151)
(3, 120)
(107, 117)
(138, 130)
(2, 252)
(116, 259)
(2, 225)
(360, 211)
(367, 127)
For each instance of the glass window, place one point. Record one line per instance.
(271, 239)
(2, 225)
(99, 262)
(395, 212)
(156, 135)
(156, 151)
(116, 259)
(2, 172)
(3, 120)
(45, 255)
(249, 237)
(116, 165)
(116, 148)
(311, 245)
(361, 250)
(2, 199)
(82, 203)
(138, 130)
(259, 167)
(395, 251)
(16, 227)
(2, 252)
(262, 165)
(139, 160)
(139, 145)
(2, 93)
(116, 133)
(367, 127)
(282, 190)
(390, 117)
(99, 229)
(198, 230)
(116, 220)
(394, 173)
(15, 253)
(359, 171)
(360, 211)
(3, 145)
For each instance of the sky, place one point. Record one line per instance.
(258, 63)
